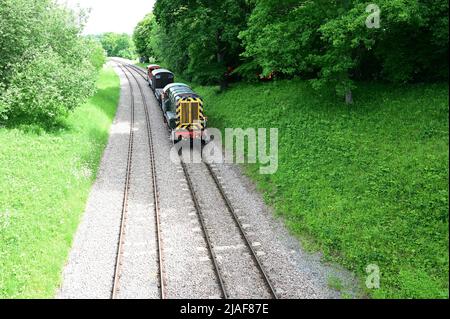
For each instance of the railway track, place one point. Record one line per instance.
(210, 246)
(117, 271)
(141, 72)
(196, 204)
(231, 210)
(248, 244)
(204, 229)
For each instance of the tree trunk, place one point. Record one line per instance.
(220, 61)
(224, 78)
(349, 97)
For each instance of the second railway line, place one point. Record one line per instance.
(136, 223)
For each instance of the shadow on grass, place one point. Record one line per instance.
(104, 100)
(31, 126)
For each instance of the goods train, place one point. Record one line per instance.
(181, 106)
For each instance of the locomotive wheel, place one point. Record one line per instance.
(207, 139)
(174, 139)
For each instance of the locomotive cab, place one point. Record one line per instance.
(169, 90)
(174, 85)
(170, 94)
(150, 69)
(160, 79)
(183, 112)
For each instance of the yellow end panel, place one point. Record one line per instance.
(184, 107)
(195, 111)
(190, 113)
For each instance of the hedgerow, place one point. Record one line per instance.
(46, 90)
(47, 68)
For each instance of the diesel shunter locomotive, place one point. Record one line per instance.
(182, 108)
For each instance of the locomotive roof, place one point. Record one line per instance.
(172, 85)
(158, 71)
(180, 90)
(152, 66)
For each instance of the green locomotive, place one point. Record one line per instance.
(183, 112)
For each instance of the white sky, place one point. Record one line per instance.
(119, 16)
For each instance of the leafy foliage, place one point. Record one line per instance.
(141, 37)
(46, 90)
(96, 53)
(46, 68)
(39, 168)
(327, 42)
(118, 45)
(199, 38)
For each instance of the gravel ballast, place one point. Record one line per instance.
(188, 271)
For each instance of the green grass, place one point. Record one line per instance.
(365, 184)
(143, 65)
(45, 178)
(335, 283)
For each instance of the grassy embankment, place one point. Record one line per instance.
(365, 184)
(45, 181)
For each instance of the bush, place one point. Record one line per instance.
(118, 45)
(46, 68)
(96, 53)
(45, 90)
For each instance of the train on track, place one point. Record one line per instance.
(182, 107)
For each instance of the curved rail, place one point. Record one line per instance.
(125, 197)
(155, 193)
(141, 72)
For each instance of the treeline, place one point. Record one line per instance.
(46, 67)
(117, 44)
(331, 43)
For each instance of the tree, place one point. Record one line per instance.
(199, 38)
(118, 45)
(326, 42)
(141, 37)
(329, 42)
(46, 68)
